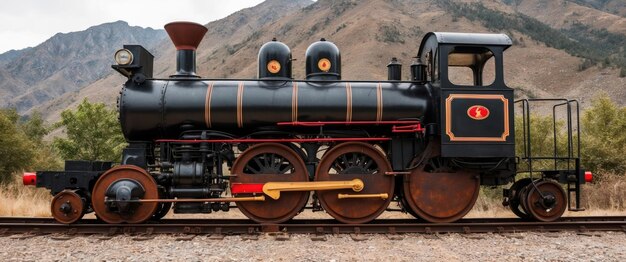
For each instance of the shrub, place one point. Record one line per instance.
(389, 33)
(603, 137)
(93, 133)
(16, 149)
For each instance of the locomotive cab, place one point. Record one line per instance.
(476, 116)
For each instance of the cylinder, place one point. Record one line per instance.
(394, 70)
(189, 192)
(188, 173)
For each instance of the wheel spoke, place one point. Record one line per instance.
(266, 162)
(354, 160)
(368, 164)
(273, 165)
(345, 160)
(258, 164)
(288, 167)
(361, 160)
(337, 166)
(254, 171)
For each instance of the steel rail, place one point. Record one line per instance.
(17, 225)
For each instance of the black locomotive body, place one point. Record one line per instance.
(266, 144)
(243, 107)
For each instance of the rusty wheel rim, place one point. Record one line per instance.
(515, 203)
(535, 204)
(143, 212)
(523, 196)
(440, 196)
(271, 162)
(67, 207)
(349, 161)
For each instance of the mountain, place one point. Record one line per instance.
(9, 56)
(224, 36)
(563, 14)
(66, 63)
(549, 58)
(617, 7)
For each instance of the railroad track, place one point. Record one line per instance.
(28, 227)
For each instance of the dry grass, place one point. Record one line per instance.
(19, 200)
(607, 194)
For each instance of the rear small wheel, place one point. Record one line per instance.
(546, 201)
(515, 198)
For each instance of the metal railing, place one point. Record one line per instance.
(569, 162)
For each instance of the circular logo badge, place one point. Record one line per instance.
(478, 112)
(273, 66)
(324, 64)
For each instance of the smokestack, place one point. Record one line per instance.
(186, 36)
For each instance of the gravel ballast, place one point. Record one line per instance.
(565, 246)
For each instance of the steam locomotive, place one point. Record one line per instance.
(274, 146)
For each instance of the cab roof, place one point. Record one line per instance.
(471, 38)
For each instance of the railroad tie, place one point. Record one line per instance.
(319, 234)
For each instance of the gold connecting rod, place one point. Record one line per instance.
(382, 196)
(273, 189)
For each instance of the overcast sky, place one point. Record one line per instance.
(25, 23)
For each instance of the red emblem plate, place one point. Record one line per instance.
(478, 112)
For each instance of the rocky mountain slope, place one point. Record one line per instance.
(545, 61)
(65, 63)
(617, 7)
(9, 56)
(564, 13)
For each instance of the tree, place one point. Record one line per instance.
(541, 140)
(35, 128)
(93, 133)
(603, 137)
(16, 150)
(46, 157)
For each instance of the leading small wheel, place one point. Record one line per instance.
(114, 192)
(67, 207)
(546, 201)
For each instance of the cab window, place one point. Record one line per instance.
(471, 66)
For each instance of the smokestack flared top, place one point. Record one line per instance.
(185, 35)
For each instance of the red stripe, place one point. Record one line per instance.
(322, 123)
(238, 188)
(277, 140)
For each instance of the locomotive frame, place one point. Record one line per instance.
(427, 143)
